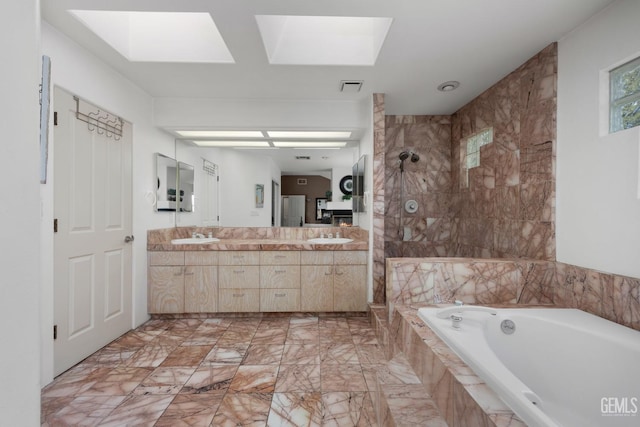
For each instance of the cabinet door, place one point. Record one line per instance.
(316, 288)
(280, 276)
(349, 288)
(166, 289)
(279, 300)
(200, 289)
(239, 300)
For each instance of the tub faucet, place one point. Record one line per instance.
(445, 313)
(197, 236)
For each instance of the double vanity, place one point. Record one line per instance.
(249, 270)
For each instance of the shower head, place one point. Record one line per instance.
(414, 157)
(404, 156)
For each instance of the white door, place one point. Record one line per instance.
(293, 211)
(92, 209)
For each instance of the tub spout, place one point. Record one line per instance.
(445, 313)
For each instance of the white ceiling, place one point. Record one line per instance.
(476, 42)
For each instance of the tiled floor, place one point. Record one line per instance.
(276, 371)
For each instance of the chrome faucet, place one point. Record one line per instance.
(195, 235)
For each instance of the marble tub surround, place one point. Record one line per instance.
(257, 238)
(513, 281)
(459, 395)
(283, 370)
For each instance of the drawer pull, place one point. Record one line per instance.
(238, 295)
(280, 295)
(280, 271)
(281, 256)
(189, 274)
(238, 256)
(238, 271)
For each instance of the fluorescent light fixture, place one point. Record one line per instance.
(322, 40)
(232, 143)
(220, 133)
(158, 36)
(308, 134)
(309, 144)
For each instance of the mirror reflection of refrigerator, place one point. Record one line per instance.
(293, 208)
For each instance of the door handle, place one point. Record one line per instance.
(128, 239)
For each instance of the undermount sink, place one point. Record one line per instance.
(194, 241)
(327, 241)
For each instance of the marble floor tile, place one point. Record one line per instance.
(139, 411)
(243, 410)
(296, 410)
(254, 379)
(210, 379)
(301, 354)
(346, 377)
(298, 378)
(191, 410)
(298, 370)
(186, 356)
(260, 354)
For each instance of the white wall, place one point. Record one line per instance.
(79, 72)
(598, 209)
(20, 214)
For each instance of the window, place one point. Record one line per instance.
(472, 153)
(624, 92)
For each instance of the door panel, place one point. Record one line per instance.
(92, 263)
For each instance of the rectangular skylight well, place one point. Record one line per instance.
(158, 36)
(322, 40)
(220, 133)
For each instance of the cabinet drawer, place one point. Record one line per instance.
(239, 258)
(350, 257)
(279, 300)
(280, 276)
(316, 257)
(239, 300)
(279, 257)
(239, 276)
(201, 258)
(166, 258)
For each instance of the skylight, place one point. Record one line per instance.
(322, 40)
(158, 36)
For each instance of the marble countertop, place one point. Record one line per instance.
(260, 245)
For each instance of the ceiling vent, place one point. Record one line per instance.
(303, 157)
(351, 86)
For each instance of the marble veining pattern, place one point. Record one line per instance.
(296, 370)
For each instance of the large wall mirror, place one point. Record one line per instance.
(175, 185)
(229, 199)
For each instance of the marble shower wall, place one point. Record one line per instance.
(427, 181)
(500, 281)
(508, 208)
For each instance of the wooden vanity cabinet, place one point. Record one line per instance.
(256, 281)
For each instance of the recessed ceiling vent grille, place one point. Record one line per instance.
(303, 157)
(351, 86)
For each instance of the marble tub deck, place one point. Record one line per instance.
(298, 370)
